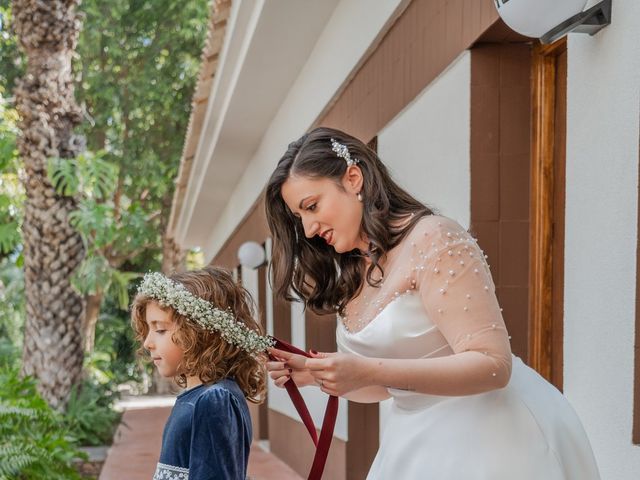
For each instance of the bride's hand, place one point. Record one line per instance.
(289, 365)
(338, 373)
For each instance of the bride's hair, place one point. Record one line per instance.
(323, 278)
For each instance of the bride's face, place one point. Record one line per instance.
(326, 210)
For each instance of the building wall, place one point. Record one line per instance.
(500, 169)
(601, 201)
(315, 87)
(427, 145)
(424, 41)
(426, 148)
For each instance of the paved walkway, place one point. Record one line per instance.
(137, 442)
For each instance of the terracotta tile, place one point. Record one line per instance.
(136, 446)
(514, 254)
(265, 466)
(514, 187)
(485, 187)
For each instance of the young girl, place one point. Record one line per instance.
(419, 322)
(198, 328)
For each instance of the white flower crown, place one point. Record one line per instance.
(173, 294)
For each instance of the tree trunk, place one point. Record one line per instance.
(53, 353)
(91, 320)
(173, 257)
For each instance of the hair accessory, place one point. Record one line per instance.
(343, 152)
(173, 294)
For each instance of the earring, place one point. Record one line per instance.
(359, 196)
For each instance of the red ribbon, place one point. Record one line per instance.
(326, 433)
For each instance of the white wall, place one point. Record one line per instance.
(603, 111)
(350, 32)
(315, 399)
(427, 149)
(317, 83)
(278, 399)
(427, 145)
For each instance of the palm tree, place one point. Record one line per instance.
(53, 350)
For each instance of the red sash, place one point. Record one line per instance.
(326, 433)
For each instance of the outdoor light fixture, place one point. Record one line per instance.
(251, 255)
(550, 20)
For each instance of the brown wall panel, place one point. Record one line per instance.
(420, 45)
(281, 319)
(636, 380)
(261, 305)
(320, 332)
(252, 227)
(289, 441)
(364, 431)
(500, 159)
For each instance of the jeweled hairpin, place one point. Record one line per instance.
(343, 152)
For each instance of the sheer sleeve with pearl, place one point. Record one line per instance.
(458, 293)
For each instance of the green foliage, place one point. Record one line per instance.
(139, 61)
(90, 417)
(114, 358)
(34, 442)
(12, 64)
(95, 276)
(88, 175)
(11, 312)
(92, 181)
(11, 191)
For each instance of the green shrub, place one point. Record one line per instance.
(34, 443)
(90, 417)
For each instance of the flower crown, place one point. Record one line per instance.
(173, 294)
(342, 151)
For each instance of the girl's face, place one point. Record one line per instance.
(165, 353)
(328, 211)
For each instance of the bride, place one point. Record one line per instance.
(419, 322)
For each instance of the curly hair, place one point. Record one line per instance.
(206, 354)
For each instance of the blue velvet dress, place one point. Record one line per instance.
(207, 435)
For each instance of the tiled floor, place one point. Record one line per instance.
(136, 445)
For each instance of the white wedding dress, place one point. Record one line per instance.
(437, 300)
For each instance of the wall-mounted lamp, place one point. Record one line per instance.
(251, 255)
(550, 20)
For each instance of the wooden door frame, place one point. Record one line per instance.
(541, 354)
